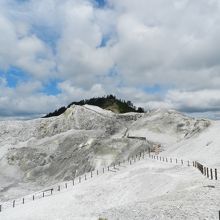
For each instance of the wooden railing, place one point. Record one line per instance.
(208, 172)
(211, 173)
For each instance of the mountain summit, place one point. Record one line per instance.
(109, 102)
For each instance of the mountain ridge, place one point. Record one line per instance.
(37, 153)
(109, 102)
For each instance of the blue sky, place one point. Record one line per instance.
(51, 87)
(46, 34)
(13, 76)
(101, 3)
(53, 53)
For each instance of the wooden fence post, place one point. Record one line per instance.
(216, 179)
(43, 194)
(182, 162)
(59, 186)
(79, 179)
(51, 191)
(23, 200)
(204, 171)
(108, 168)
(0, 208)
(176, 161)
(207, 172)
(13, 203)
(130, 162)
(211, 174)
(33, 197)
(85, 177)
(73, 182)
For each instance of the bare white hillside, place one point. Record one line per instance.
(37, 153)
(167, 126)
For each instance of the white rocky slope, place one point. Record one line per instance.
(37, 153)
(147, 189)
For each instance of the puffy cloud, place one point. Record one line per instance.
(195, 101)
(24, 100)
(119, 48)
(7, 43)
(138, 96)
(24, 50)
(36, 58)
(70, 92)
(78, 52)
(163, 43)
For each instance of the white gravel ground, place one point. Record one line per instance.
(147, 189)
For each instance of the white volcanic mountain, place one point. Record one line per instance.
(37, 153)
